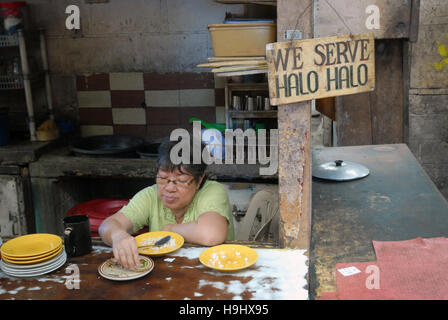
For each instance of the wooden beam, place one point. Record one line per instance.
(294, 123)
(415, 20)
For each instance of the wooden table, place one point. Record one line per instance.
(277, 275)
(397, 201)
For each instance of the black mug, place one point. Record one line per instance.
(77, 239)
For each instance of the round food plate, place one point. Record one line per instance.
(31, 245)
(228, 257)
(33, 267)
(36, 265)
(34, 273)
(112, 270)
(32, 261)
(45, 255)
(148, 238)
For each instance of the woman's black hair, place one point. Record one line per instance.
(165, 163)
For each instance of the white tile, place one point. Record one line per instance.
(129, 116)
(197, 97)
(162, 98)
(94, 99)
(91, 130)
(126, 81)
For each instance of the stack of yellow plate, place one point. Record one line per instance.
(32, 255)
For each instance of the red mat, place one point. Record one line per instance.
(405, 270)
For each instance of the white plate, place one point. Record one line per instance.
(111, 270)
(6, 268)
(35, 265)
(38, 264)
(63, 258)
(24, 274)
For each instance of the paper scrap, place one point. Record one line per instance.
(349, 271)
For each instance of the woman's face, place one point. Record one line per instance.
(176, 189)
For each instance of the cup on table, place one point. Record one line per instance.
(77, 238)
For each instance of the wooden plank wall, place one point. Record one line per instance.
(376, 117)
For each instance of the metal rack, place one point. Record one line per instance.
(24, 80)
(245, 88)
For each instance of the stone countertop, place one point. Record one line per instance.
(22, 152)
(59, 162)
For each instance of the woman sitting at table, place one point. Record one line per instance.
(181, 201)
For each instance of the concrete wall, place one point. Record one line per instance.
(428, 93)
(120, 36)
(124, 36)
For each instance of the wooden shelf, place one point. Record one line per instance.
(233, 114)
(250, 89)
(9, 41)
(16, 82)
(247, 86)
(264, 2)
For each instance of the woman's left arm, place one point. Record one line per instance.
(209, 230)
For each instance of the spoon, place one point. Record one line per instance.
(158, 243)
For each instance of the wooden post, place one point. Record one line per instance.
(294, 124)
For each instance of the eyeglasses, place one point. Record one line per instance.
(178, 183)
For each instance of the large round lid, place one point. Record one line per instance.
(105, 145)
(340, 170)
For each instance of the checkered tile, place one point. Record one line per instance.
(147, 105)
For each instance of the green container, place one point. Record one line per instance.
(217, 126)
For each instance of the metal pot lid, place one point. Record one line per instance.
(340, 170)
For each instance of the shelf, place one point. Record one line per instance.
(239, 73)
(272, 114)
(11, 82)
(265, 2)
(247, 86)
(243, 90)
(9, 41)
(16, 82)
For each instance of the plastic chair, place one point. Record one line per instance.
(262, 209)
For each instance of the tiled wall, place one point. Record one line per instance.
(147, 105)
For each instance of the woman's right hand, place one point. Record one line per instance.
(125, 250)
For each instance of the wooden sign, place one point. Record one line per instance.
(318, 68)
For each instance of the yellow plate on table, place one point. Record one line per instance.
(31, 245)
(176, 242)
(32, 260)
(228, 257)
(47, 254)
